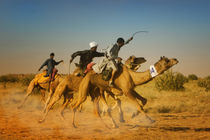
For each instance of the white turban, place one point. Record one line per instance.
(93, 44)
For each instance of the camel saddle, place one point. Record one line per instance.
(40, 78)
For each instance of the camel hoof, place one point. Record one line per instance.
(122, 120)
(103, 113)
(152, 121)
(19, 107)
(62, 117)
(133, 115)
(115, 126)
(74, 125)
(144, 102)
(40, 121)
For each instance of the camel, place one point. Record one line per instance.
(71, 84)
(43, 84)
(126, 80)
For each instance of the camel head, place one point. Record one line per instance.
(164, 64)
(134, 63)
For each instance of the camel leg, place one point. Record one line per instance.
(80, 108)
(142, 99)
(96, 106)
(56, 96)
(48, 100)
(143, 102)
(29, 91)
(42, 95)
(83, 92)
(117, 104)
(120, 110)
(75, 107)
(67, 100)
(108, 110)
(131, 96)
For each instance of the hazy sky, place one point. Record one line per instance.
(31, 29)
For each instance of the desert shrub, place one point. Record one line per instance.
(8, 78)
(205, 83)
(26, 79)
(164, 109)
(170, 81)
(192, 77)
(207, 78)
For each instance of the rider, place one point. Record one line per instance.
(86, 56)
(111, 57)
(50, 63)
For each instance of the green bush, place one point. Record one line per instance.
(192, 77)
(8, 78)
(26, 79)
(207, 78)
(205, 83)
(170, 81)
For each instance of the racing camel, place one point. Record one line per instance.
(43, 84)
(126, 80)
(71, 84)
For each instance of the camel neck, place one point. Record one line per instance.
(140, 77)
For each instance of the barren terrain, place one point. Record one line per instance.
(177, 117)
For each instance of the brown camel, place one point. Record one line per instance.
(71, 84)
(43, 84)
(126, 80)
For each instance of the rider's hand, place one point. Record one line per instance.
(71, 60)
(119, 59)
(131, 38)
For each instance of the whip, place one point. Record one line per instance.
(69, 68)
(139, 32)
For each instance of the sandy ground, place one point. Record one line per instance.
(23, 123)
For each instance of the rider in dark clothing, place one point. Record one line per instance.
(86, 56)
(50, 63)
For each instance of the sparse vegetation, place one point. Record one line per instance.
(192, 77)
(170, 80)
(8, 78)
(25, 80)
(205, 83)
(207, 78)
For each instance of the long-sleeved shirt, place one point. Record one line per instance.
(86, 57)
(50, 63)
(113, 51)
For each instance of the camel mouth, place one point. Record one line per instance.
(139, 60)
(175, 61)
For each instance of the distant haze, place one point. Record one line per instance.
(31, 29)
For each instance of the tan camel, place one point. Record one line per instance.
(71, 84)
(43, 84)
(126, 80)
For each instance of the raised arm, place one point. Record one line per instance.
(78, 53)
(98, 54)
(56, 63)
(126, 42)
